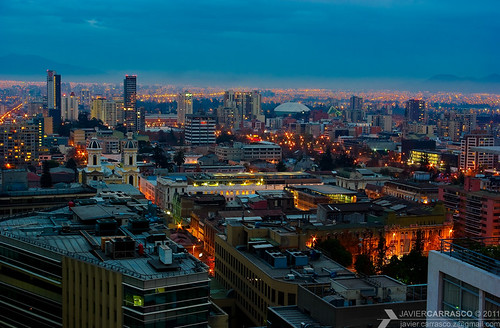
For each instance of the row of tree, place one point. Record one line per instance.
(410, 268)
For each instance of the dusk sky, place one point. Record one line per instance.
(259, 42)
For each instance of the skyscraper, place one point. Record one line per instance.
(355, 112)
(184, 106)
(129, 102)
(69, 107)
(54, 97)
(415, 111)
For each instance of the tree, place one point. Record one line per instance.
(71, 164)
(179, 158)
(281, 167)
(364, 265)
(326, 160)
(225, 137)
(419, 243)
(381, 250)
(46, 178)
(336, 251)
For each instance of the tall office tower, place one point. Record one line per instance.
(256, 106)
(471, 158)
(69, 107)
(184, 106)
(415, 111)
(355, 112)
(54, 97)
(200, 129)
(355, 103)
(129, 102)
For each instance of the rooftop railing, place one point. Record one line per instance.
(483, 253)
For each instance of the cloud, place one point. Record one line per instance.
(337, 38)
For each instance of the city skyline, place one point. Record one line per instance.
(386, 44)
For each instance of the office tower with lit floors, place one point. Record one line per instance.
(200, 129)
(415, 111)
(54, 97)
(184, 106)
(130, 102)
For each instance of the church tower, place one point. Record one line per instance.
(129, 162)
(94, 152)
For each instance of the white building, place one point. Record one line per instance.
(69, 107)
(200, 129)
(472, 160)
(184, 106)
(463, 287)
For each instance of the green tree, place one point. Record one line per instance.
(326, 160)
(381, 251)
(281, 167)
(71, 164)
(336, 251)
(364, 265)
(46, 178)
(179, 158)
(225, 137)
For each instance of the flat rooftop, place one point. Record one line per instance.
(293, 316)
(45, 231)
(323, 267)
(327, 189)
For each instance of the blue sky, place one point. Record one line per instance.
(256, 41)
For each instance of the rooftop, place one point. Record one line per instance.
(479, 252)
(57, 234)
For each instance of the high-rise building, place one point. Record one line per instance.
(240, 106)
(54, 96)
(69, 107)
(473, 208)
(473, 160)
(355, 103)
(415, 111)
(454, 125)
(184, 106)
(104, 110)
(85, 99)
(355, 112)
(19, 142)
(200, 129)
(130, 102)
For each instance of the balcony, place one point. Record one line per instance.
(483, 253)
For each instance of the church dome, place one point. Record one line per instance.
(94, 144)
(130, 144)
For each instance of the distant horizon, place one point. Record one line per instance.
(352, 84)
(346, 44)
